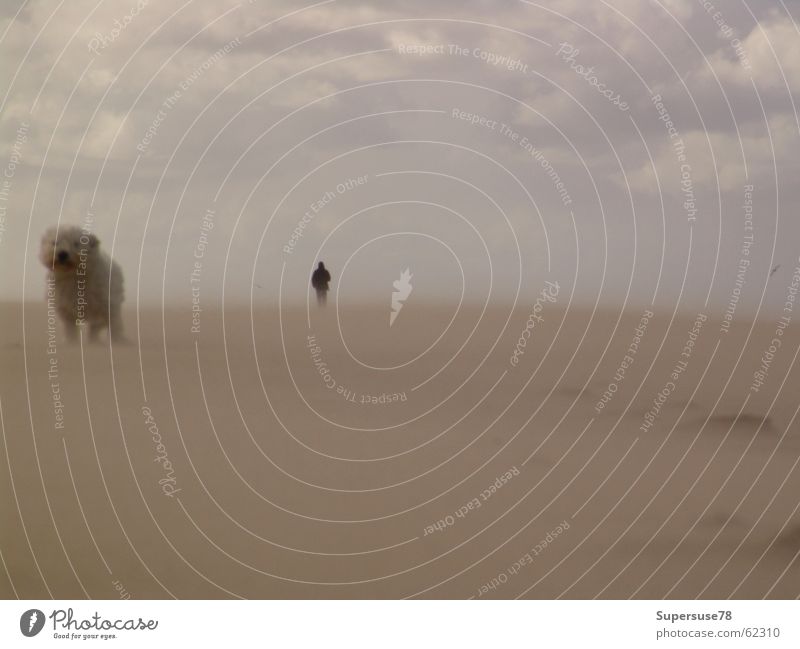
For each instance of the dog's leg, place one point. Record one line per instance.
(70, 329)
(115, 330)
(94, 331)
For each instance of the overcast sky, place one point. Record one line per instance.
(354, 121)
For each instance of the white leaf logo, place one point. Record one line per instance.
(402, 289)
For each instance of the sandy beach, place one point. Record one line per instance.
(323, 454)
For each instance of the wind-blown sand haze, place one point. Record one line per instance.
(192, 465)
(430, 300)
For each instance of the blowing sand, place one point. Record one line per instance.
(268, 457)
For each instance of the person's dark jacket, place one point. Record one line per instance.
(320, 278)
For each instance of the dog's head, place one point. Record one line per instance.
(63, 247)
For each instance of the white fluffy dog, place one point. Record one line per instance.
(86, 284)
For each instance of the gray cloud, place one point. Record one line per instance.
(230, 91)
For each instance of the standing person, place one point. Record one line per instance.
(319, 280)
